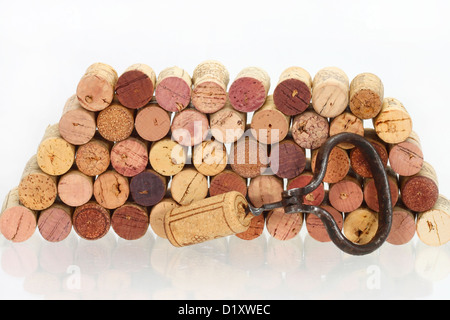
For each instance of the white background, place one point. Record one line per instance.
(45, 47)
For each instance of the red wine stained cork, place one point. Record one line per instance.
(371, 194)
(210, 157)
(136, 85)
(310, 130)
(366, 95)
(346, 195)
(314, 198)
(77, 125)
(148, 188)
(249, 90)
(152, 123)
(94, 158)
(292, 95)
(91, 221)
(361, 225)
(55, 223)
(210, 80)
(433, 226)
(346, 122)
(189, 186)
(403, 226)
(316, 228)
(287, 159)
(227, 181)
(130, 157)
(269, 125)
(283, 226)
(55, 155)
(190, 127)
(228, 125)
(111, 190)
(116, 122)
(255, 229)
(75, 188)
(17, 223)
(167, 157)
(330, 92)
(37, 190)
(130, 221)
(158, 213)
(420, 191)
(338, 165)
(265, 190)
(96, 88)
(173, 89)
(393, 124)
(406, 158)
(249, 158)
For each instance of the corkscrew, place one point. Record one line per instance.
(292, 201)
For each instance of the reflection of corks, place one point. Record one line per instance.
(210, 157)
(249, 158)
(55, 223)
(93, 158)
(116, 122)
(190, 127)
(265, 190)
(338, 165)
(227, 181)
(406, 158)
(208, 219)
(310, 130)
(129, 157)
(358, 160)
(91, 221)
(366, 95)
(75, 188)
(283, 226)
(347, 194)
(255, 229)
(158, 213)
(371, 194)
(287, 159)
(403, 226)
(314, 198)
(316, 228)
(346, 122)
(433, 226)
(148, 188)
(393, 124)
(152, 123)
(361, 225)
(130, 221)
(228, 125)
(173, 89)
(167, 157)
(189, 186)
(111, 190)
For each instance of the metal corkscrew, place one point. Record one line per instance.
(292, 200)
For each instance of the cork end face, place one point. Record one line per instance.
(173, 94)
(190, 127)
(284, 226)
(77, 127)
(269, 126)
(91, 221)
(37, 191)
(420, 193)
(314, 198)
(403, 227)
(316, 228)
(147, 188)
(247, 94)
(18, 224)
(95, 93)
(393, 126)
(209, 97)
(292, 96)
(406, 158)
(330, 100)
(54, 224)
(55, 156)
(432, 228)
(115, 123)
(366, 104)
(134, 89)
(130, 222)
(152, 123)
(310, 130)
(360, 226)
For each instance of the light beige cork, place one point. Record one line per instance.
(228, 124)
(210, 157)
(167, 157)
(189, 186)
(361, 225)
(366, 95)
(433, 226)
(158, 213)
(346, 122)
(208, 219)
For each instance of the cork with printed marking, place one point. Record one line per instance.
(393, 124)
(366, 95)
(433, 226)
(173, 89)
(136, 85)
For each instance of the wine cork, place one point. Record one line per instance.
(346, 195)
(249, 90)
(75, 188)
(361, 225)
(420, 191)
(269, 125)
(130, 221)
(91, 221)
(346, 122)
(310, 130)
(136, 85)
(210, 81)
(287, 159)
(366, 95)
(433, 225)
(228, 125)
(55, 155)
(190, 127)
(17, 222)
(393, 124)
(283, 226)
(403, 226)
(249, 158)
(293, 92)
(330, 92)
(152, 123)
(111, 190)
(315, 227)
(189, 186)
(265, 190)
(96, 88)
(371, 193)
(93, 158)
(227, 181)
(116, 122)
(406, 158)
(173, 89)
(37, 190)
(167, 157)
(55, 223)
(130, 156)
(338, 165)
(316, 197)
(210, 157)
(77, 125)
(255, 229)
(208, 219)
(158, 213)
(148, 188)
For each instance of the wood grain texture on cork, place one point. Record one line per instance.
(269, 125)
(210, 82)
(227, 181)
(96, 88)
(338, 164)
(130, 156)
(287, 159)
(310, 130)
(249, 158)
(152, 123)
(17, 222)
(75, 188)
(228, 125)
(208, 219)
(283, 226)
(173, 89)
(148, 188)
(420, 191)
(406, 158)
(346, 195)
(158, 213)
(167, 157)
(371, 194)
(249, 89)
(314, 198)
(393, 124)
(265, 190)
(316, 228)
(255, 230)
(111, 190)
(93, 158)
(91, 221)
(55, 155)
(210, 157)
(136, 85)
(366, 95)
(116, 122)
(346, 122)
(293, 92)
(189, 186)
(433, 226)
(190, 127)
(403, 226)
(330, 92)
(77, 125)
(55, 223)
(361, 225)
(130, 221)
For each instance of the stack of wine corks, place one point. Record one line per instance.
(184, 154)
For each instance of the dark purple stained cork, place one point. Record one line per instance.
(287, 159)
(292, 97)
(148, 188)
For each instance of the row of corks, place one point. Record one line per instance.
(130, 148)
